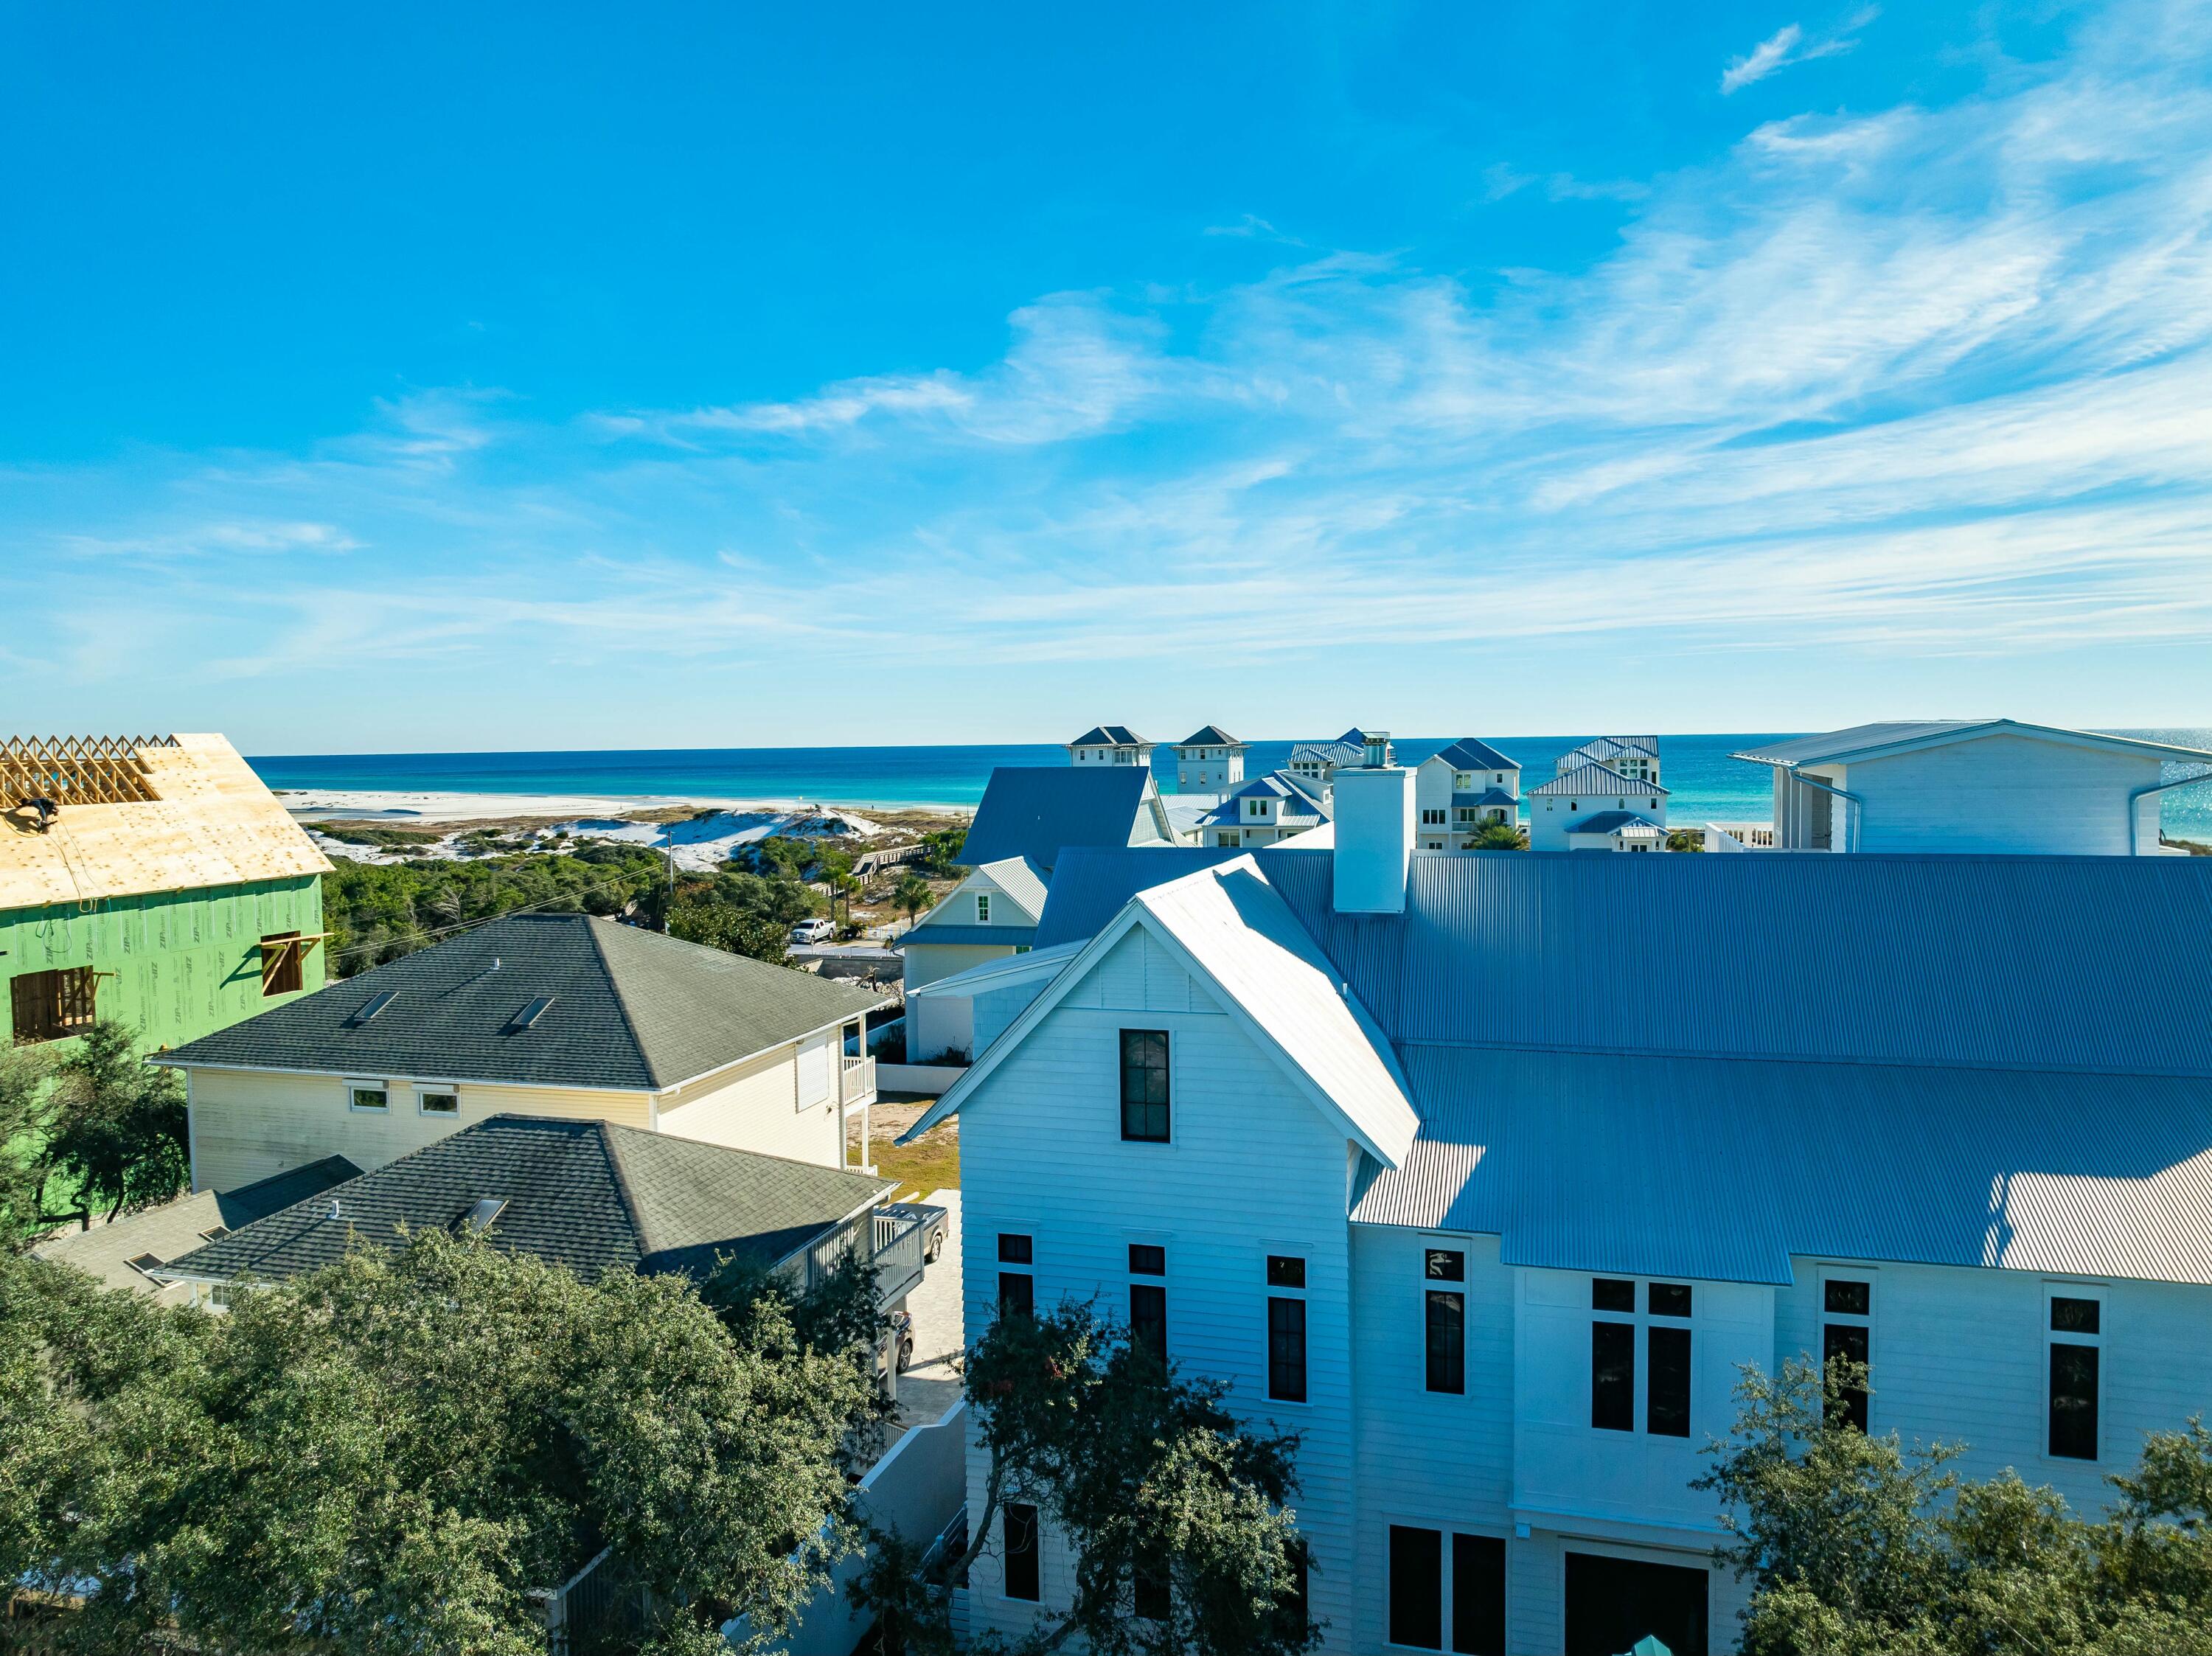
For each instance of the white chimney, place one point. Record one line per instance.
(1374, 820)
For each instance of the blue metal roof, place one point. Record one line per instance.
(1033, 810)
(1701, 1168)
(1594, 781)
(1472, 753)
(1488, 797)
(1089, 886)
(1999, 962)
(1011, 936)
(1611, 822)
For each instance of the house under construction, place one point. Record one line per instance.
(151, 879)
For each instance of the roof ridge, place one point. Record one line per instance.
(646, 1243)
(622, 1001)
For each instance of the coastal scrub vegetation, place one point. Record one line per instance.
(379, 912)
(1175, 1510)
(1858, 1546)
(398, 1453)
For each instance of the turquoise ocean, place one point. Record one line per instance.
(1704, 782)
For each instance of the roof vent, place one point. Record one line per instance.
(483, 1212)
(529, 1015)
(146, 1263)
(334, 1212)
(375, 1003)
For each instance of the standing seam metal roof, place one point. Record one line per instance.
(1596, 780)
(1036, 810)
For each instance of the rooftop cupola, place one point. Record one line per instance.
(1374, 806)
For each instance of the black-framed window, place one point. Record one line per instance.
(1017, 1294)
(1847, 1333)
(1612, 1294)
(1417, 1587)
(1286, 1271)
(1443, 1264)
(2076, 1338)
(1148, 1260)
(1148, 1319)
(1445, 1339)
(1014, 1249)
(1666, 1383)
(1666, 1299)
(1477, 1610)
(1022, 1551)
(1286, 1348)
(1144, 1086)
(1612, 1376)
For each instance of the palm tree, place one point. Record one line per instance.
(911, 896)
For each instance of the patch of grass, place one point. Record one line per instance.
(932, 1162)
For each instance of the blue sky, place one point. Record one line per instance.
(550, 376)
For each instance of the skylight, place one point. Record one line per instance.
(529, 1014)
(374, 1004)
(483, 1212)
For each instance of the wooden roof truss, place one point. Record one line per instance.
(75, 770)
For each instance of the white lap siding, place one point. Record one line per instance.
(1252, 1170)
(1961, 1355)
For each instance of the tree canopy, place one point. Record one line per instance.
(1859, 1546)
(392, 1454)
(1177, 1511)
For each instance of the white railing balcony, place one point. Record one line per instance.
(893, 1242)
(856, 1081)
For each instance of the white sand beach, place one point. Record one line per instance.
(703, 834)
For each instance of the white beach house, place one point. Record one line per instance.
(1973, 785)
(1109, 744)
(1265, 810)
(1209, 760)
(1460, 790)
(1317, 761)
(1603, 795)
(991, 914)
(1416, 1157)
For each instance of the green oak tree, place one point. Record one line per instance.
(117, 1135)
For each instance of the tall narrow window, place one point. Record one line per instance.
(2077, 1335)
(1446, 1340)
(1020, 1524)
(280, 963)
(1148, 1320)
(1286, 1349)
(982, 908)
(1846, 1335)
(1144, 1086)
(1417, 1576)
(1478, 1583)
(1017, 1288)
(1667, 1394)
(1612, 1376)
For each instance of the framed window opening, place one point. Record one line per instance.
(1446, 1590)
(1148, 1301)
(2073, 1341)
(53, 1004)
(439, 1098)
(1017, 1288)
(1286, 1328)
(1020, 1551)
(1443, 1321)
(1847, 1332)
(368, 1097)
(1660, 1315)
(1145, 1117)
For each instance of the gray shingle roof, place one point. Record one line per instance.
(588, 1195)
(1033, 810)
(630, 1009)
(178, 1228)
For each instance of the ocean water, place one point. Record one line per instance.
(1704, 784)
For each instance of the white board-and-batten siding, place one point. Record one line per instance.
(1252, 1170)
(247, 1124)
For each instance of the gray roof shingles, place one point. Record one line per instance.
(630, 1009)
(587, 1195)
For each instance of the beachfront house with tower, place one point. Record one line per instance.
(1318, 761)
(1265, 810)
(1109, 744)
(1529, 1210)
(1978, 785)
(1460, 790)
(1603, 795)
(1209, 760)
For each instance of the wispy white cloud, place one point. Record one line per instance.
(1910, 383)
(1788, 44)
